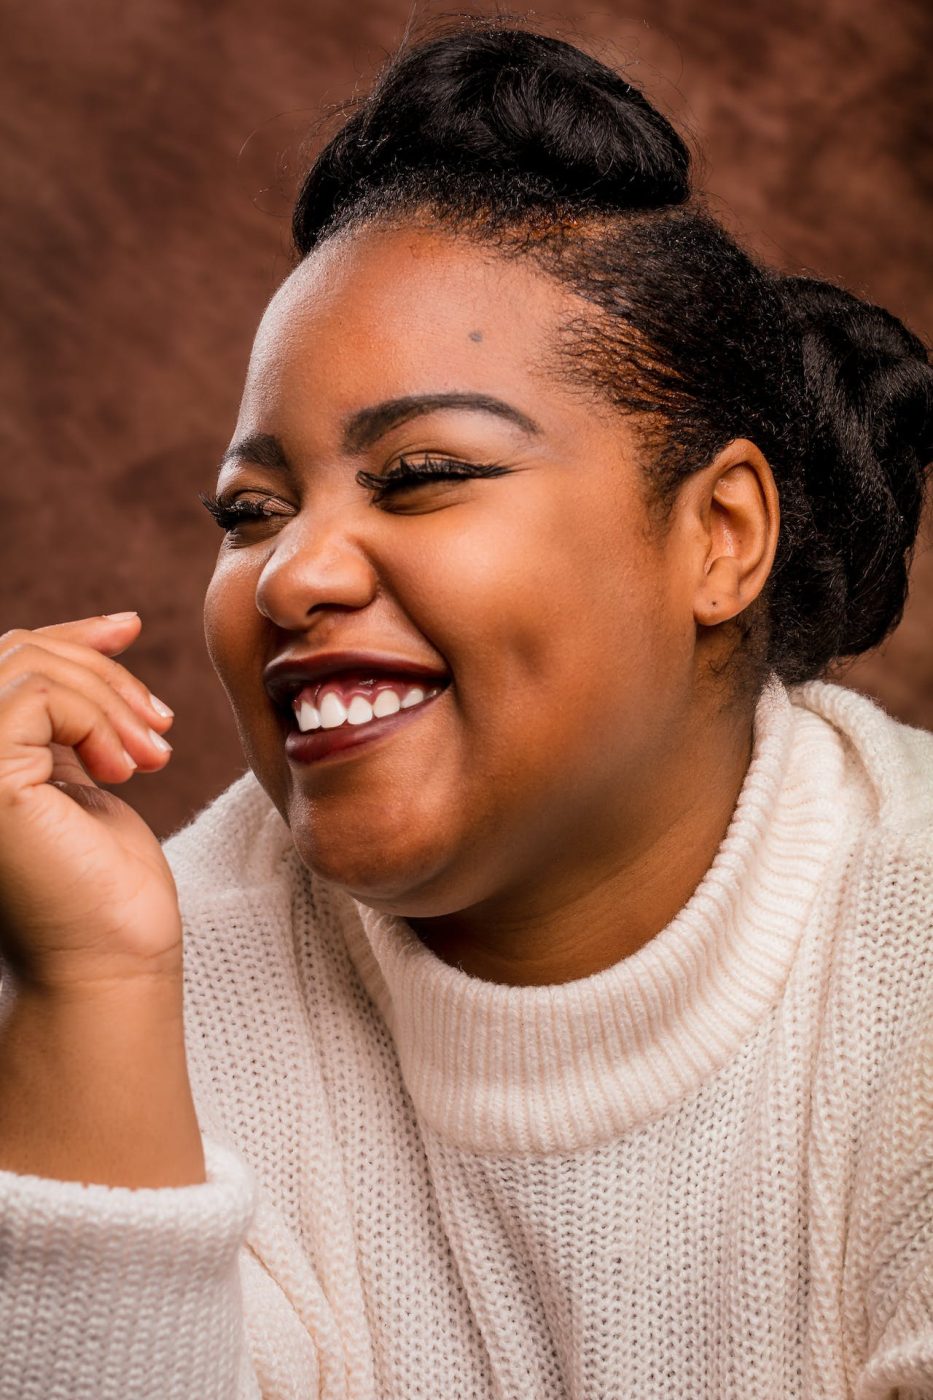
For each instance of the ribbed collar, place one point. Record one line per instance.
(495, 1068)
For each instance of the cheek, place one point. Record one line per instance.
(545, 609)
(231, 621)
(562, 587)
(480, 582)
(233, 632)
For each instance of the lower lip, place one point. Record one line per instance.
(318, 744)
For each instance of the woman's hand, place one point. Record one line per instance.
(87, 900)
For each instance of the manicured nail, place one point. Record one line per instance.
(130, 760)
(159, 742)
(120, 617)
(160, 707)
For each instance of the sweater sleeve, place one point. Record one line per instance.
(113, 1293)
(892, 1251)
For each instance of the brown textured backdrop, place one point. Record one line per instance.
(140, 242)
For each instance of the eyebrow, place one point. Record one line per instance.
(363, 428)
(261, 448)
(367, 425)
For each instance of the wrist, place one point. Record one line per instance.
(154, 985)
(94, 1085)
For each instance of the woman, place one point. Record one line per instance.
(557, 1014)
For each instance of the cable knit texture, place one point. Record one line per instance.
(705, 1172)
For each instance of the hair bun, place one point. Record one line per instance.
(511, 107)
(868, 406)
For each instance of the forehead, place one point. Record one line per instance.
(409, 307)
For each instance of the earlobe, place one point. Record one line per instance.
(740, 512)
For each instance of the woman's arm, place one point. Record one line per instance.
(125, 1294)
(120, 1232)
(94, 1087)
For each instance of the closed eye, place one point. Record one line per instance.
(407, 474)
(229, 514)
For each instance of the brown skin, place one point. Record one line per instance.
(93, 1075)
(558, 805)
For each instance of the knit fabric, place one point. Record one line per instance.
(705, 1172)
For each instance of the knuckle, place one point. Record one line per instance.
(13, 638)
(28, 682)
(128, 688)
(22, 653)
(116, 674)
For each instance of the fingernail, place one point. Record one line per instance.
(159, 742)
(160, 707)
(130, 760)
(119, 617)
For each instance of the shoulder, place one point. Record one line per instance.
(889, 1252)
(892, 762)
(880, 909)
(242, 884)
(873, 1101)
(887, 894)
(237, 841)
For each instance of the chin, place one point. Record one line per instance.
(398, 879)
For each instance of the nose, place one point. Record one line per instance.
(314, 565)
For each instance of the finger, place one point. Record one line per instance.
(109, 633)
(37, 712)
(68, 768)
(153, 710)
(143, 743)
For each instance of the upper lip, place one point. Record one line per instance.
(285, 676)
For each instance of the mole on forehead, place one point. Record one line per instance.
(476, 335)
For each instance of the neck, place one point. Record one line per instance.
(609, 897)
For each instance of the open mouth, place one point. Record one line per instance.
(336, 716)
(334, 704)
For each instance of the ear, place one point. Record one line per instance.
(736, 512)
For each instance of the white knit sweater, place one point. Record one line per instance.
(705, 1173)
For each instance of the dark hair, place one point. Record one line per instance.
(516, 137)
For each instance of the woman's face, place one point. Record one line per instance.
(565, 629)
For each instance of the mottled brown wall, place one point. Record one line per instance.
(138, 251)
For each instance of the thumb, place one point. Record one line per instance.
(67, 767)
(90, 798)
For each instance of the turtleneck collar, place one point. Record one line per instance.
(495, 1068)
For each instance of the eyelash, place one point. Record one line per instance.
(229, 514)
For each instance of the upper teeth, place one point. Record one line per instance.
(332, 712)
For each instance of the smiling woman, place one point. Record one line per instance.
(558, 1016)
